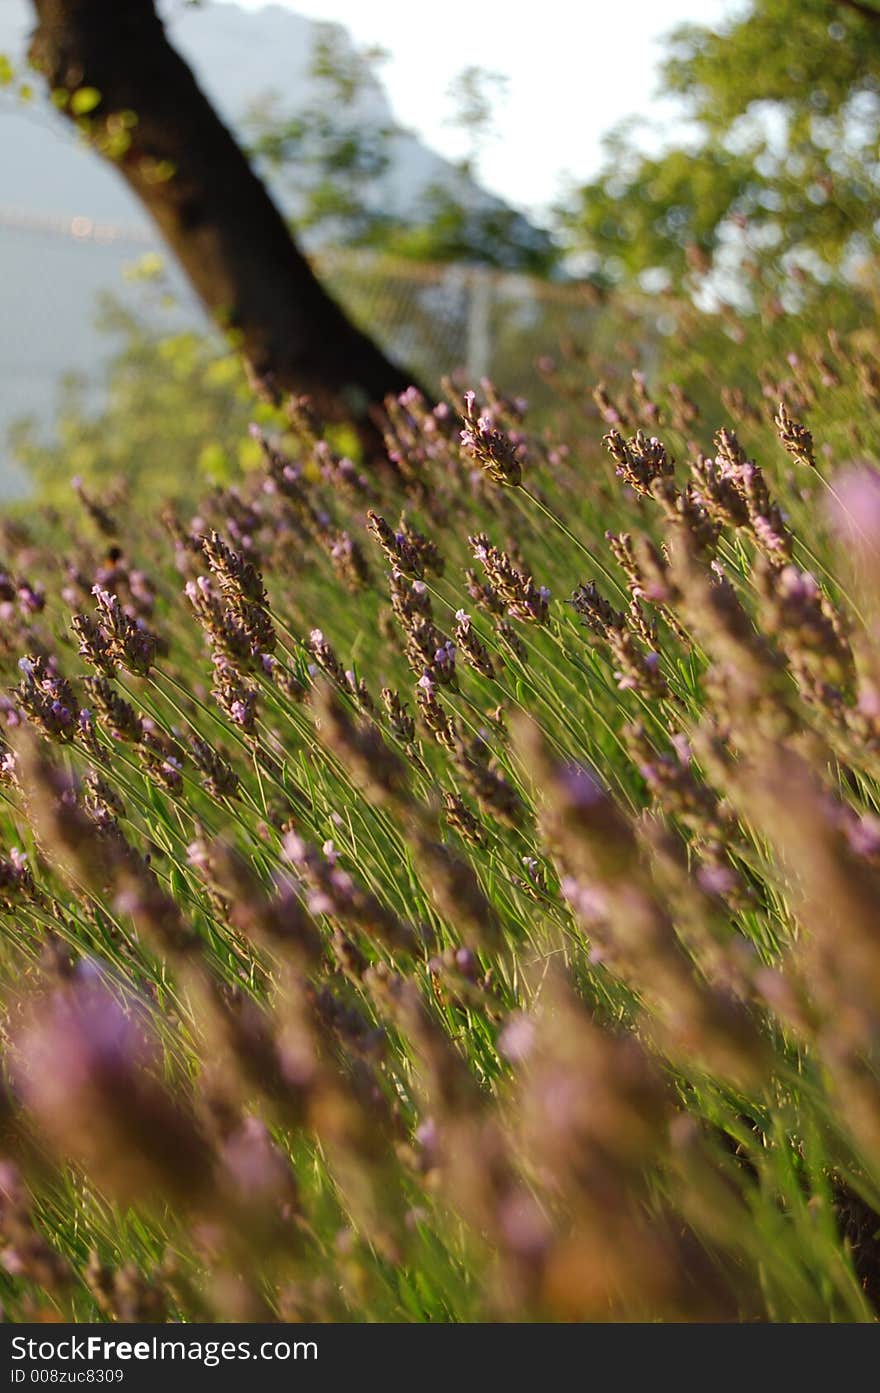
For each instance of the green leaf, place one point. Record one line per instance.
(84, 100)
(179, 887)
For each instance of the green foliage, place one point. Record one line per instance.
(450, 230)
(174, 414)
(84, 100)
(474, 92)
(337, 157)
(777, 173)
(12, 83)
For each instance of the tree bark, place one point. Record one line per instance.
(210, 207)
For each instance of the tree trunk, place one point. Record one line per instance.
(212, 210)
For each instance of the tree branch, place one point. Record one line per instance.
(209, 205)
(859, 7)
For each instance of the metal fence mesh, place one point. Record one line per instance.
(434, 318)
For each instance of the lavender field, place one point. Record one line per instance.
(439, 827)
(451, 894)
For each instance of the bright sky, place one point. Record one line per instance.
(575, 68)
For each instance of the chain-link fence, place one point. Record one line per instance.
(434, 318)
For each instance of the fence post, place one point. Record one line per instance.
(479, 338)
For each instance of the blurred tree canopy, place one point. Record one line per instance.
(336, 154)
(776, 176)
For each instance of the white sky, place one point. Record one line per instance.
(575, 68)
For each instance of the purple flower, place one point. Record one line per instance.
(517, 1037)
(855, 510)
(716, 880)
(581, 786)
